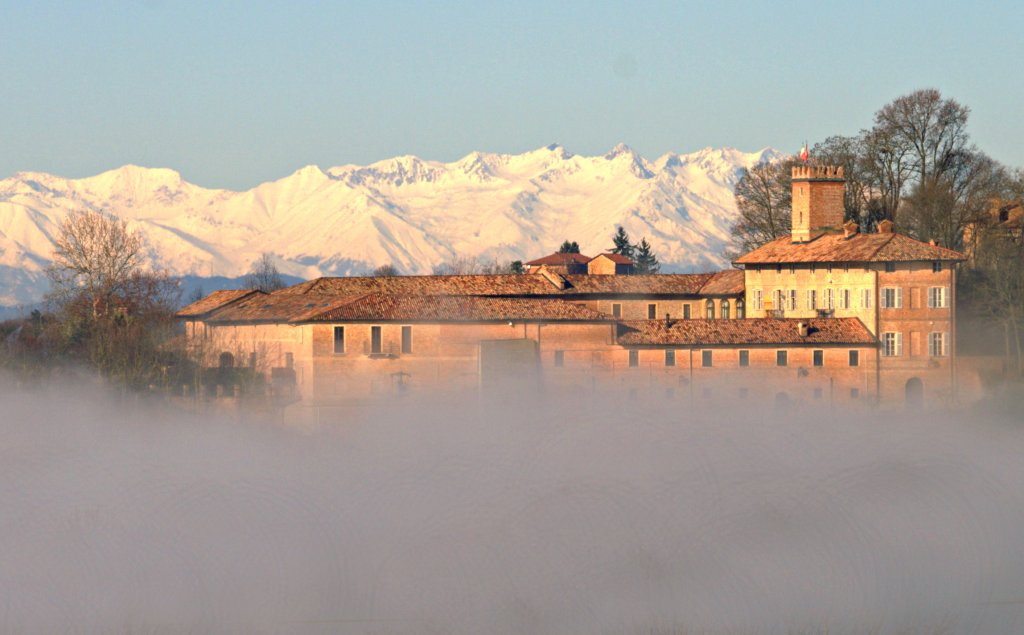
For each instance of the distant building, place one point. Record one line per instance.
(825, 316)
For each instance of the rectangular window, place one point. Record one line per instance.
(686, 311)
(559, 359)
(937, 266)
(792, 300)
(758, 300)
(634, 359)
(705, 359)
(652, 311)
(892, 344)
(406, 340)
(819, 358)
(892, 297)
(830, 299)
(289, 360)
(616, 310)
(844, 299)
(744, 358)
(890, 267)
(828, 267)
(865, 298)
(812, 299)
(854, 358)
(339, 339)
(781, 358)
(375, 340)
(938, 298)
(937, 344)
(670, 357)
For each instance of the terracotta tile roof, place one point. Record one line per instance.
(618, 259)
(276, 307)
(655, 284)
(728, 282)
(752, 331)
(214, 301)
(559, 259)
(860, 247)
(391, 308)
(516, 285)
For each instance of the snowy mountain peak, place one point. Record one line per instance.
(404, 211)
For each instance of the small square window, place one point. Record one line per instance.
(890, 267)
(819, 358)
(744, 358)
(937, 266)
(781, 358)
(705, 359)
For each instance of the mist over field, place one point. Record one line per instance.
(537, 515)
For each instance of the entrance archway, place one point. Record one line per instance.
(914, 393)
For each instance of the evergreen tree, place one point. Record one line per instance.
(622, 245)
(516, 266)
(646, 261)
(569, 248)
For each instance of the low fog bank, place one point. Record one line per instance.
(534, 516)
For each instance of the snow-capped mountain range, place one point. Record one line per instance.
(411, 213)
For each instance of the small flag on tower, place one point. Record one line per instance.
(804, 154)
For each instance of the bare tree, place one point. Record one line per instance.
(931, 129)
(764, 199)
(94, 255)
(386, 271)
(469, 265)
(264, 275)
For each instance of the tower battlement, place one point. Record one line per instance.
(818, 172)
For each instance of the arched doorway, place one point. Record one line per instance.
(915, 393)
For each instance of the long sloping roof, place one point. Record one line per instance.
(214, 301)
(831, 247)
(728, 282)
(511, 285)
(381, 307)
(752, 331)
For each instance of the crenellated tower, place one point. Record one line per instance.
(817, 200)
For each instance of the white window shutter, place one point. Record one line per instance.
(899, 297)
(899, 344)
(945, 297)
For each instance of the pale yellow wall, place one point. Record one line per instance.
(855, 278)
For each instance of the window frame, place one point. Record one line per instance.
(652, 310)
(781, 358)
(724, 308)
(707, 358)
(896, 339)
(617, 310)
(406, 329)
(744, 358)
(943, 344)
(376, 340)
(341, 330)
(559, 359)
(818, 358)
(853, 358)
(670, 358)
(634, 358)
(709, 309)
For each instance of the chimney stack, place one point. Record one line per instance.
(850, 229)
(885, 227)
(801, 328)
(668, 321)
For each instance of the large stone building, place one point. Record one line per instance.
(825, 315)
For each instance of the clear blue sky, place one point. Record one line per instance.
(232, 94)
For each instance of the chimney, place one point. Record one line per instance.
(850, 229)
(885, 227)
(668, 321)
(817, 200)
(801, 328)
(933, 242)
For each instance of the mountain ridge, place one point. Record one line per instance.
(405, 211)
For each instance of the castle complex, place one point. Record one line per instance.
(828, 315)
